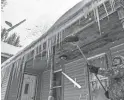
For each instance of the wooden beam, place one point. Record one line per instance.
(73, 81)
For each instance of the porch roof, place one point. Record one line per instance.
(9, 49)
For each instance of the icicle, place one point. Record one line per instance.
(61, 38)
(56, 39)
(50, 46)
(43, 45)
(16, 69)
(48, 52)
(53, 40)
(98, 20)
(85, 13)
(34, 55)
(29, 52)
(79, 21)
(25, 56)
(47, 48)
(3, 74)
(106, 10)
(20, 63)
(36, 48)
(96, 15)
(112, 3)
(13, 74)
(41, 49)
(39, 45)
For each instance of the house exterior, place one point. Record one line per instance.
(8, 51)
(99, 25)
(4, 57)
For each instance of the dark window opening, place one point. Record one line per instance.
(26, 88)
(58, 93)
(57, 78)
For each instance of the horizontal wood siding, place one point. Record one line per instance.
(5, 73)
(45, 85)
(117, 50)
(78, 70)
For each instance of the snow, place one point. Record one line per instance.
(9, 49)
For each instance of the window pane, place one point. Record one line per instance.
(57, 79)
(26, 88)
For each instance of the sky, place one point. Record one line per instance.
(39, 15)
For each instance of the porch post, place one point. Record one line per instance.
(51, 92)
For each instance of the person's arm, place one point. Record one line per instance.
(100, 71)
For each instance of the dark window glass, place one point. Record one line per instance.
(57, 79)
(58, 93)
(26, 88)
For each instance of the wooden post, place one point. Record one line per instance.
(51, 92)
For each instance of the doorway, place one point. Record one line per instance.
(28, 87)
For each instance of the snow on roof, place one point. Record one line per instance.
(9, 49)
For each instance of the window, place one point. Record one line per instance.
(58, 93)
(57, 78)
(95, 87)
(26, 88)
(99, 61)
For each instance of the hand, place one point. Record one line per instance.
(93, 69)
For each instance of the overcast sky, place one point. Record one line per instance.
(39, 15)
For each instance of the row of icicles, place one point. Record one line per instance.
(56, 38)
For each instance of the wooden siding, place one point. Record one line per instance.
(117, 50)
(45, 85)
(5, 80)
(78, 70)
